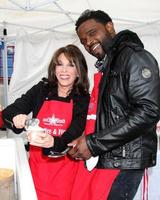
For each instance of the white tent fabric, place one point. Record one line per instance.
(32, 56)
(60, 15)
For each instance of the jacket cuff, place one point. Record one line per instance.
(90, 139)
(57, 147)
(47, 151)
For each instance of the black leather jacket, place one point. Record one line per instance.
(128, 108)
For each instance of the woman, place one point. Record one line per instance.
(60, 103)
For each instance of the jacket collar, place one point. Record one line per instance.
(125, 36)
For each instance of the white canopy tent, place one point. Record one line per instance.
(56, 18)
(60, 15)
(38, 27)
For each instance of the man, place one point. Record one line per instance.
(128, 107)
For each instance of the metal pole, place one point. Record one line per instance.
(5, 70)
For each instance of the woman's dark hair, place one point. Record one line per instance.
(98, 15)
(74, 55)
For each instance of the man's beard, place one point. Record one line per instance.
(106, 44)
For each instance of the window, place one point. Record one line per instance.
(10, 60)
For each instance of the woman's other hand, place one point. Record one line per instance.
(40, 138)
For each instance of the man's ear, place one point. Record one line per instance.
(110, 29)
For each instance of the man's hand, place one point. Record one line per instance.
(80, 149)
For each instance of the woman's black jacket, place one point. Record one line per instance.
(32, 101)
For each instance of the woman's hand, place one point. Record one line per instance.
(40, 138)
(19, 120)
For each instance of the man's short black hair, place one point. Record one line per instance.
(97, 15)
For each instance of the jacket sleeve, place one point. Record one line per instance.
(143, 91)
(76, 127)
(22, 105)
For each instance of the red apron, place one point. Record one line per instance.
(53, 177)
(94, 185)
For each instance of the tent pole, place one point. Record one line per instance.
(5, 70)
